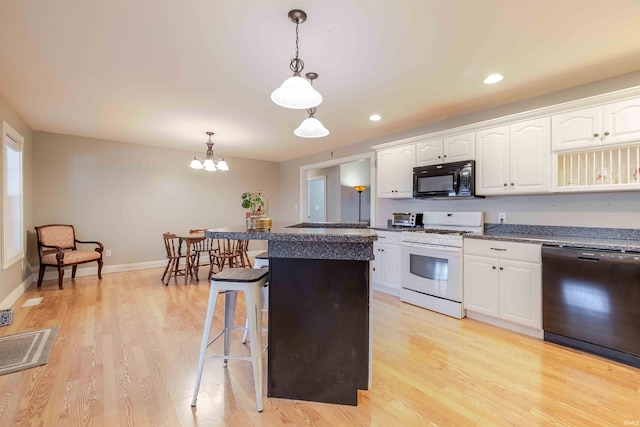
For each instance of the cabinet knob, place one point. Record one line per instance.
(505, 184)
(595, 135)
(439, 157)
(606, 134)
(445, 156)
(501, 268)
(382, 250)
(512, 183)
(494, 267)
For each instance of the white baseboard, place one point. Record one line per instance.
(16, 293)
(51, 274)
(532, 332)
(387, 290)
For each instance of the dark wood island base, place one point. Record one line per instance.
(319, 322)
(319, 329)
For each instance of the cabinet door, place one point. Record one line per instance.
(521, 293)
(391, 270)
(530, 156)
(621, 122)
(481, 288)
(378, 263)
(492, 166)
(386, 166)
(460, 147)
(577, 129)
(429, 152)
(405, 162)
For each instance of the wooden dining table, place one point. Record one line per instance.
(189, 238)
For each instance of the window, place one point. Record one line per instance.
(12, 217)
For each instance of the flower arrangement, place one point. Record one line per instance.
(255, 202)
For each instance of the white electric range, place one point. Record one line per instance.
(431, 261)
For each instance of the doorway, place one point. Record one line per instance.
(317, 205)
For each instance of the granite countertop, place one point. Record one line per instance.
(582, 237)
(320, 232)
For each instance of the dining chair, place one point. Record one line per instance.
(230, 252)
(173, 246)
(202, 255)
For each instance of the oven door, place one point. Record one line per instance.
(432, 270)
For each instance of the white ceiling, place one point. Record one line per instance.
(164, 73)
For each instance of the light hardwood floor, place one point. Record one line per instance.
(127, 350)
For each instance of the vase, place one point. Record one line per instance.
(258, 222)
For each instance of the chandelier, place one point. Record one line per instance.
(296, 92)
(311, 127)
(209, 164)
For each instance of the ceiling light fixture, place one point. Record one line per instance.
(311, 127)
(493, 78)
(209, 164)
(296, 92)
(375, 117)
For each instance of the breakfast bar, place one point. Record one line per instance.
(319, 299)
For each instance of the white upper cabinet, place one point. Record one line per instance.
(492, 164)
(614, 123)
(395, 172)
(530, 156)
(429, 152)
(446, 150)
(514, 158)
(459, 147)
(621, 122)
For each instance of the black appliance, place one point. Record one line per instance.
(446, 180)
(591, 301)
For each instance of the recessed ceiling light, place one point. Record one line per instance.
(493, 78)
(375, 117)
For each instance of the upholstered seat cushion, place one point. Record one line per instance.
(71, 257)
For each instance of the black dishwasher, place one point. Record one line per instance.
(591, 301)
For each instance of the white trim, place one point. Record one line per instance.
(52, 273)
(564, 107)
(386, 289)
(10, 299)
(505, 324)
(7, 130)
(335, 162)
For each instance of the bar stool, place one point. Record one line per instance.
(261, 261)
(230, 282)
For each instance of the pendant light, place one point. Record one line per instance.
(296, 92)
(311, 127)
(209, 164)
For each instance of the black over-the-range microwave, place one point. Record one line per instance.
(445, 180)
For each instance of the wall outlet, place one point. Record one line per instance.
(502, 217)
(108, 252)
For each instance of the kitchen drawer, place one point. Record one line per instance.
(504, 250)
(390, 237)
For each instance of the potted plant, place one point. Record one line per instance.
(256, 202)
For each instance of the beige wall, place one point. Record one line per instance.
(621, 209)
(126, 195)
(15, 275)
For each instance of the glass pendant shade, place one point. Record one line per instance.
(222, 165)
(209, 165)
(195, 164)
(311, 128)
(296, 93)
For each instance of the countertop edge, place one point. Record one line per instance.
(582, 242)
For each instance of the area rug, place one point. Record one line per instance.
(26, 350)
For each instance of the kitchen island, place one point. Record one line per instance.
(319, 299)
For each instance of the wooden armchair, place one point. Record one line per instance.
(57, 248)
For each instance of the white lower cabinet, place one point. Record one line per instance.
(503, 280)
(386, 264)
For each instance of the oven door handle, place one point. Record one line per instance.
(427, 246)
